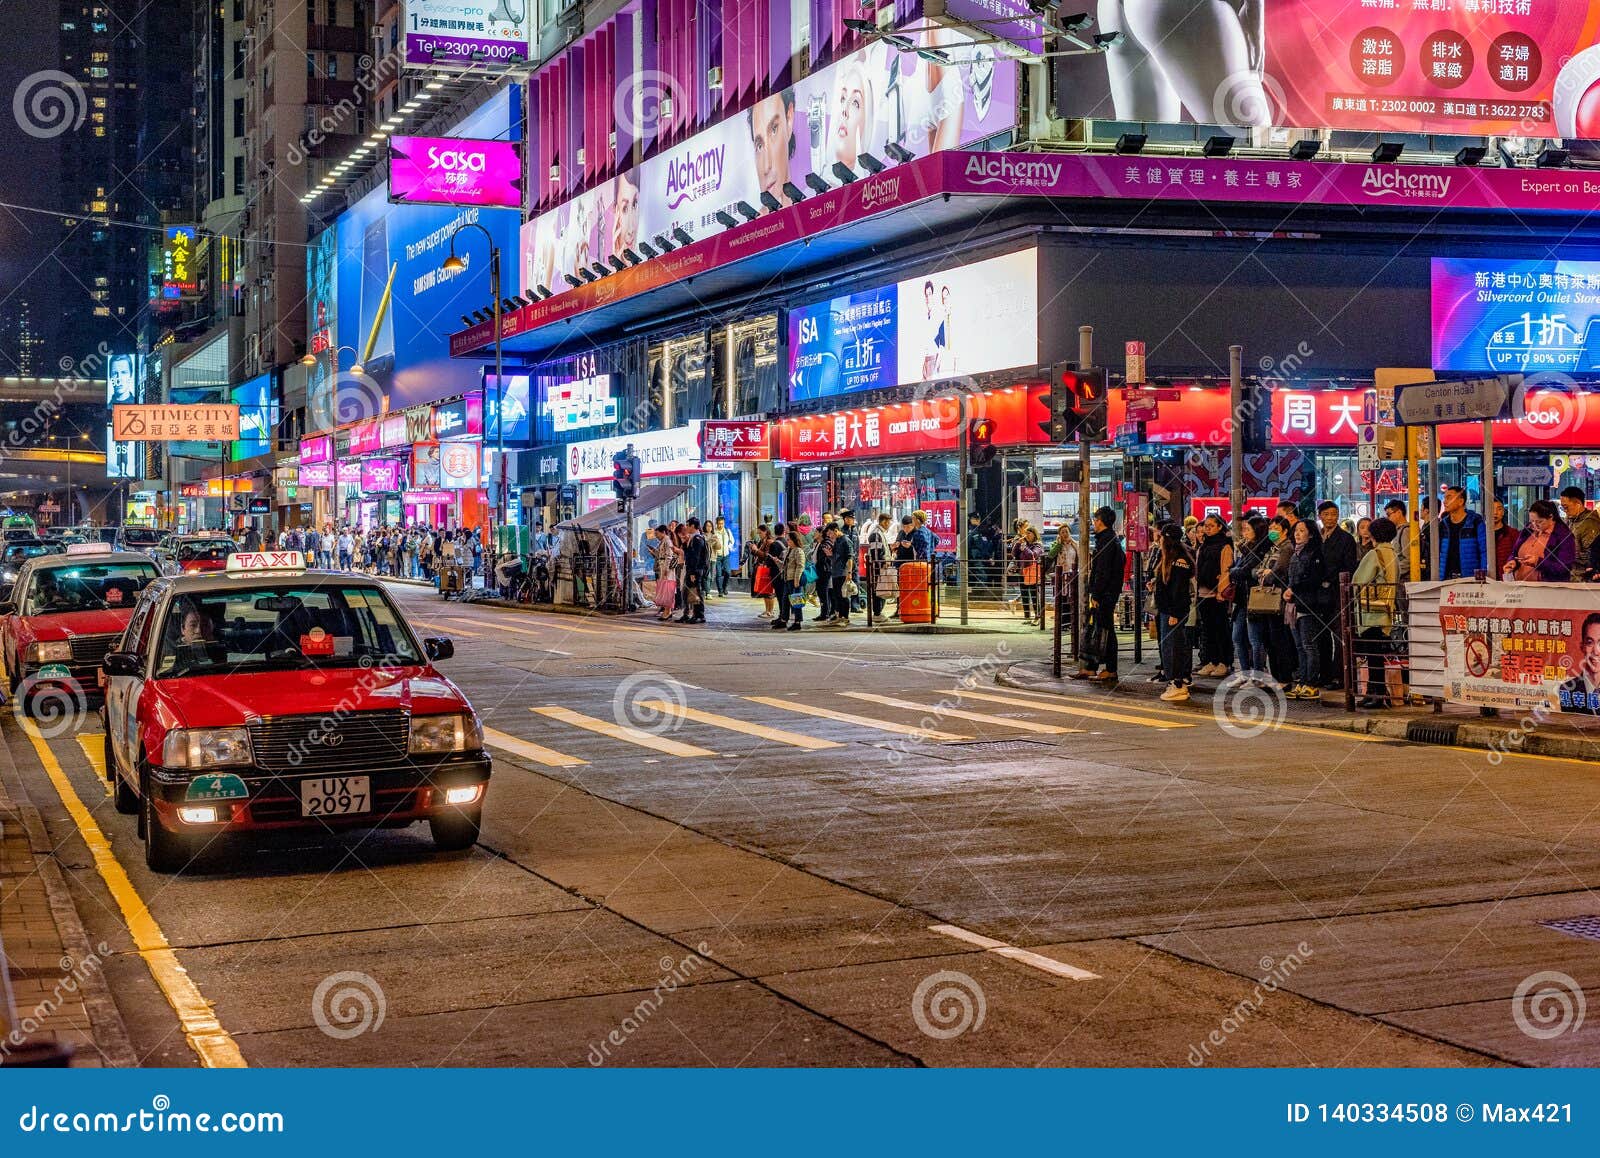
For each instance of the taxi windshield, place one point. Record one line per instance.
(86, 587)
(266, 626)
(204, 549)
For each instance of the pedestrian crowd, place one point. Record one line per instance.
(417, 552)
(1265, 605)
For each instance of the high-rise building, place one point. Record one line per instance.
(21, 343)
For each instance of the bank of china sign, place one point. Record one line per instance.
(660, 452)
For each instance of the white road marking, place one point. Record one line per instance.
(1012, 953)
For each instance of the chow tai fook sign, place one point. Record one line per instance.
(735, 441)
(1522, 646)
(455, 171)
(660, 453)
(926, 426)
(212, 422)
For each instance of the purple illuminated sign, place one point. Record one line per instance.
(455, 171)
(318, 474)
(380, 475)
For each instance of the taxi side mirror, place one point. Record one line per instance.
(120, 663)
(438, 648)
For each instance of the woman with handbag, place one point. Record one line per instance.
(1306, 609)
(777, 557)
(1376, 588)
(1546, 552)
(1028, 554)
(761, 585)
(1267, 627)
(794, 568)
(666, 594)
(1174, 600)
(1241, 581)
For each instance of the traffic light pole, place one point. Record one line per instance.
(1236, 442)
(1085, 362)
(963, 505)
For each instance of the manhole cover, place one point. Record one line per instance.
(1586, 927)
(1004, 746)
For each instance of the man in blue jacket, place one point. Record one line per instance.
(1463, 538)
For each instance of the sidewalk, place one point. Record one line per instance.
(59, 1000)
(1555, 735)
(739, 612)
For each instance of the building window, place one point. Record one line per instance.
(238, 176)
(333, 66)
(238, 60)
(311, 64)
(238, 116)
(237, 11)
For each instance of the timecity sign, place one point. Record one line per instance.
(174, 423)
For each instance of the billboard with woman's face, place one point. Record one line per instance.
(862, 104)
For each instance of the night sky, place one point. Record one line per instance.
(28, 176)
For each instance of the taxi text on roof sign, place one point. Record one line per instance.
(256, 562)
(87, 548)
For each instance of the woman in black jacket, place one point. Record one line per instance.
(1306, 602)
(1106, 573)
(1211, 565)
(1174, 591)
(1251, 653)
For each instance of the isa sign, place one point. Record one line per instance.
(455, 171)
(843, 346)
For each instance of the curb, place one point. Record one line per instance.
(853, 629)
(1497, 738)
(105, 1019)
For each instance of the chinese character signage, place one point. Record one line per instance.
(660, 452)
(1516, 316)
(1467, 67)
(1521, 646)
(455, 171)
(175, 423)
(927, 426)
(1553, 419)
(452, 33)
(179, 278)
(942, 522)
(380, 475)
(462, 418)
(968, 320)
(460, 466)
(734, 441)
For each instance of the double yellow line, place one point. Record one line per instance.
(213, 1045)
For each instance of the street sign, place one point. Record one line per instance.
(1141, 406)
(49, 507)
(1134, 373)
(1136, 521)
(1369, 406)
(1470, 400)
(1368, 454)
(1527, 476)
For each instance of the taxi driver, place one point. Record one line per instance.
(196, 627)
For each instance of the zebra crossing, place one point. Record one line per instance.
(672, 727)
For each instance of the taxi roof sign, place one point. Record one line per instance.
(262, 562)
(87, 549)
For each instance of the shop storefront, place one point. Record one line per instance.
(665, 456)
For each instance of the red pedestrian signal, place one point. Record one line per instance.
(1077, 402)
(980, 441)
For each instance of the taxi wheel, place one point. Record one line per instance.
(164, 852)
(454, 831)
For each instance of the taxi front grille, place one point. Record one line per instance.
(91, 649)
(355, 742)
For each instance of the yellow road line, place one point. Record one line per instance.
(211, 1043)
(90, 742)
(777, 735)
(1072, 710)
(940, 710)
(863, 721)
(621, 732)
(528, 750)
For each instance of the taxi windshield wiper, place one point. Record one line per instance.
(287, 655)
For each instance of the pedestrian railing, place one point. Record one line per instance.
(1373, 637)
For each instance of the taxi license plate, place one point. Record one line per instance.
(336, 796)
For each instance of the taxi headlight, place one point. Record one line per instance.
(456, 732)
(58, 652)
(206, 747)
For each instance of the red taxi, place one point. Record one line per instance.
(273, 697)
(199, 554)
(65, 612)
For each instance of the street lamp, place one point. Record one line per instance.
(454, 265)
(310, 362)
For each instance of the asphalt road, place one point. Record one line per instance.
(730, 846)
